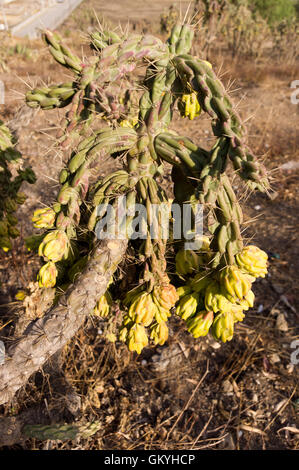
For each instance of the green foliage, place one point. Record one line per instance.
(275, 11)
(12, 175)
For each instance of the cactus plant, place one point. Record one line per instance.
(113, 114)
(12, 175)
(61, 432)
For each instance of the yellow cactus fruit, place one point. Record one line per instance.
(199, 324)
(20, 295)
(200, 282)
(184, 290)
(247, 301)
(237, 312)
(188, 305)
(129, 122)
(215, 300)
(165, 296)
(143, 309)
(253, 260)
(102, 307)
(5, 244)
(123, 334)
(186, 262)
(191, 105)
(44, 218)
(162, 315)
(125, 123)
(47, 275)
(202, 243)
(128, 321)
(223, 327)
(54, 246)
(159, 333)
(111, 337)
(137, 338)
(234, 283)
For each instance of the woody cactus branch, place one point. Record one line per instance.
(50, 333)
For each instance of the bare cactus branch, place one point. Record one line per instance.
(48, 334)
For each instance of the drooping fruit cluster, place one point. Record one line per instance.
(217, 299)
(148, 310)
(112, 113)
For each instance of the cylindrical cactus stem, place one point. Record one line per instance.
(61, 432)
(75, 186)
(179, 150)
(55, 96)
(214, 99)
(102, 39)
(227, 240)
(180, 40)
(61, 53)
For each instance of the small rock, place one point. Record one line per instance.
(279, 289)
(260, 308)
(215, 345)
(281, 323)
(143, 362)
(290, 368)
(257, 208)
(274, 358)
(291, 165)
(73, 402)
(255, 398)
(227, 387)
(169, 358)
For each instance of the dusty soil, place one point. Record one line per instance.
(189, 394)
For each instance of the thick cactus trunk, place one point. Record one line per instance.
(50, 333)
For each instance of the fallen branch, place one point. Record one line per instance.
(50, 333)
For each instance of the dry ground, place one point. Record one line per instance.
(189, 394)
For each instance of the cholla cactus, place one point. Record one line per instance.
(12, 175)
(61, 432)
(214, 280)
(245, 31)
(169, 19)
